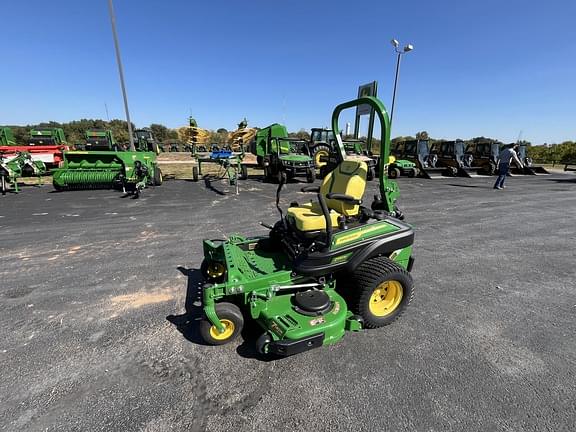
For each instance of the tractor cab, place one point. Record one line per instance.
(47, 137)
(100, 139)
(145, 141)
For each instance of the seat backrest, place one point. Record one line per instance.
(348, 178)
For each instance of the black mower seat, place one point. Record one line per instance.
(348, 178)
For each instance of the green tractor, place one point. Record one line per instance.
(282, 158)
(99, 139)
(326, 267)
(355, 149)
(322, 141)
(145, 141)
(19, 166)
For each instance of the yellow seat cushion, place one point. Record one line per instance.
(309, 217)
(348, 178)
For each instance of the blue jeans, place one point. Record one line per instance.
(503, 169)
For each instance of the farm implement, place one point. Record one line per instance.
(229, 163)
(326, 267)
(18, 166)
(45, 145)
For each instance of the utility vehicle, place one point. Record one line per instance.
(282, 157)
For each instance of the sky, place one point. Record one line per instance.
(502, 69)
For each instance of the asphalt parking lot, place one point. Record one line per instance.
(97, 316)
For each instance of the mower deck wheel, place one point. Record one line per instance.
(263, 343)
(381, 291)
(232, 320)
(412, 173)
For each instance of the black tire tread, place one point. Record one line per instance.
(366, 276)
(224, 310)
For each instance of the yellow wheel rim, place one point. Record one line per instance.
(229, 328)
(215, 270)
(317, 157)
(386, 298)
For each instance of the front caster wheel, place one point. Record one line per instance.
(232, 320)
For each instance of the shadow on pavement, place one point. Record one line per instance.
(187, 323)
(464, 185)
(563, 180)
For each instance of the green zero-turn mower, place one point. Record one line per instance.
(326, 267)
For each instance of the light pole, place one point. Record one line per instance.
(121, 72)
(399, 52)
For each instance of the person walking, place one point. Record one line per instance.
(504, 159)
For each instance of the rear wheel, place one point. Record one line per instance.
(320, 152)
(231, 318)
(380, 291)
(310, 175)
(158, 179)
(393, 173)
(195, 173)
(4, 187)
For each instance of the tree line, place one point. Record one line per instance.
(75, 133)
